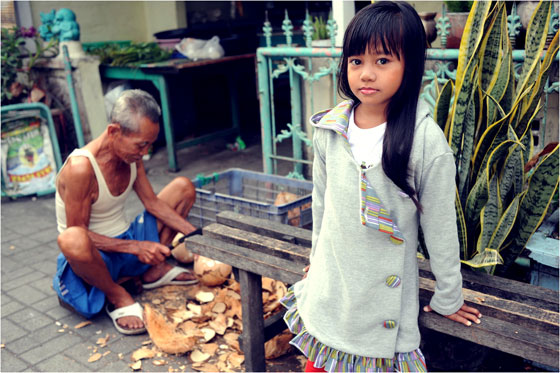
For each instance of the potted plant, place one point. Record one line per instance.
(500, 201)
(19, 82)
(457, 12)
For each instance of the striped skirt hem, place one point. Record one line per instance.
(332, 360)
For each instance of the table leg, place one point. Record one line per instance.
(253, 321)
(161, 85)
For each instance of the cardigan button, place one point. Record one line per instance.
(389, 324)
(393, 281)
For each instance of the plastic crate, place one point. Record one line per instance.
(254, 194)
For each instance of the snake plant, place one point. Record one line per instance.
(486, 116)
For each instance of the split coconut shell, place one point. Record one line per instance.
(211, 272)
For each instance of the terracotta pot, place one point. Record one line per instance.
(458, 22)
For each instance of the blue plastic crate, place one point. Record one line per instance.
(254, 194)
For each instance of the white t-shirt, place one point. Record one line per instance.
(366, 144)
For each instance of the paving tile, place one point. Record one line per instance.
(18, 246)
(47, 267)
(53, 347)
(17, 271)
(9, 283)
(27, 294)
(45, 235)
(59, 312)
(30, 319)
(32, 255)
(8, 265)
(11, 307)
(8, 234)
(34, 339)
(46, 304)
(81, 353)
(44, 284)
(11, 331)
(10, 363)
(117, 365)
(61, 363)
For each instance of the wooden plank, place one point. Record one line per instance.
(273, 326)
(500, 335)
(253, 322)
(481, 282)
(267, 228)
(502, 287)
(246, 259)
(257, 242)
(521, 314)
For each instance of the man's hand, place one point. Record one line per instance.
(465, 315)
(152, 252)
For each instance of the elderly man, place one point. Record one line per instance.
(98, 246)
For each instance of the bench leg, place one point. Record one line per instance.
(253, 322)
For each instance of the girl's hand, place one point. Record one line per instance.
(465, 315)
(306, 269)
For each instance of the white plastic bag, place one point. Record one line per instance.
(197, 49)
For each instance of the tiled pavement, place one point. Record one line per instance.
(37, 334)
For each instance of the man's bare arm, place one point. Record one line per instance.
(157, 207)
(77, 186)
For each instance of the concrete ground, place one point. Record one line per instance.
(37, 334)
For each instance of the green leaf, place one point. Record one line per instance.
(534, 43)
(468, 147)
(487, 258)
(531, 102)
(459, 113)
(474, 31)
(505, 224)
(512, 173)
(461, 227)
(489, 215)
(534, 205)
(490, 49)
(441, 110)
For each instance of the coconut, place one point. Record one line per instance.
(180, 252)
(211, 272)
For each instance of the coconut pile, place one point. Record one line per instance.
(203, 321)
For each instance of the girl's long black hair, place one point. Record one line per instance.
(397, 29)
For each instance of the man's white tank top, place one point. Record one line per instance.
(107, 213)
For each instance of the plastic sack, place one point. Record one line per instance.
(197, 49)
(28, 165)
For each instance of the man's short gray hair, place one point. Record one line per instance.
(132, 105)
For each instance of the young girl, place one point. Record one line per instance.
(382, 167)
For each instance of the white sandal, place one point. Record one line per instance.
(134, 309)
(169, 279)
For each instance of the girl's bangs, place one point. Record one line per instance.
(376, 34)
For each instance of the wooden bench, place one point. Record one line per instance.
(518, 318)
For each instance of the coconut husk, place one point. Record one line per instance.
(164, 335)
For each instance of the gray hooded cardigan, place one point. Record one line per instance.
(361, 292)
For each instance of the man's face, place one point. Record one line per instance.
(132, 146)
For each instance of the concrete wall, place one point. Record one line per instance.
(118, 20)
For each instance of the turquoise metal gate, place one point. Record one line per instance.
(298, 65)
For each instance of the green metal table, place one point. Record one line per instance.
(157, 73)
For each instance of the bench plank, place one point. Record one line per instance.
(501, 287)
(272, 229)
(258, 242)
(245, 259)
(253, 322)
(500, 335)
(507, 310)
(514, 319)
